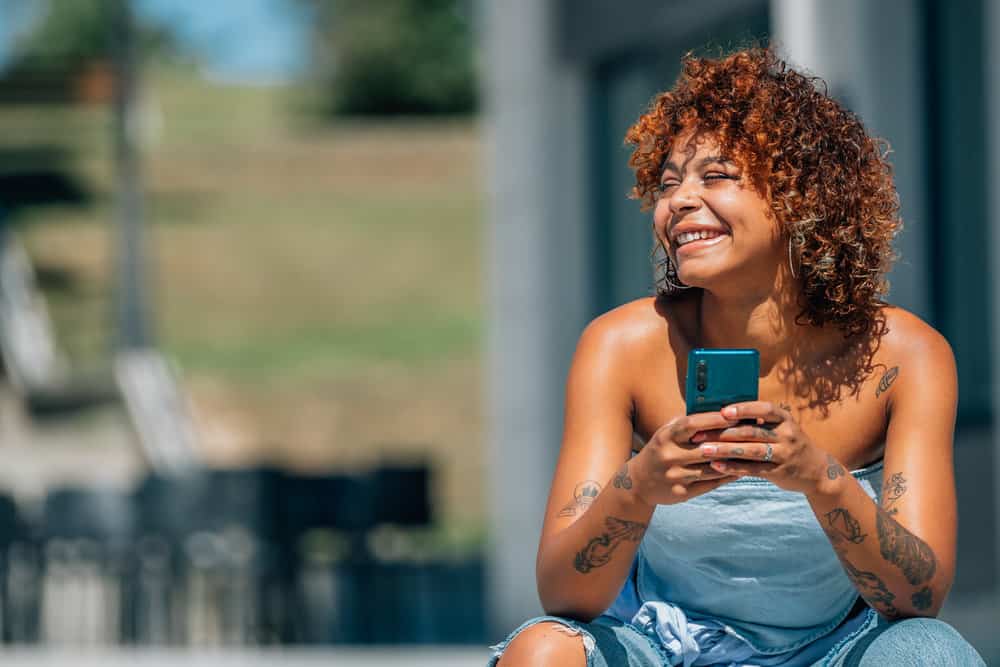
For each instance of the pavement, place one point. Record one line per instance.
(445, 656)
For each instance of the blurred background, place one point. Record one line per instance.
(289, 289)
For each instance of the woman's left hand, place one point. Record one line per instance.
(775, 448)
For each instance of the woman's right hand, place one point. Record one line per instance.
(670, 467)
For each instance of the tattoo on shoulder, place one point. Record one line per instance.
(622, 479)
(583, 495)
(904, 549)
(886, 381)
(833, 467)
(600, 549)
(892, 490)
(840, 525)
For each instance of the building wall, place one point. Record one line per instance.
(558, 106)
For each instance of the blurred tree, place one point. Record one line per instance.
(73, 34)
(392, 57)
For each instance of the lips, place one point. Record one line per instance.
(684, 238)
(690, 237)
(695, 246)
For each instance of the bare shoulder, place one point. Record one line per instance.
(911, 338)
(919, 356)
(630, 329)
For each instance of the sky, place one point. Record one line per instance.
(240, 41)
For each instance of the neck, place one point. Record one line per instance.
(762, 321)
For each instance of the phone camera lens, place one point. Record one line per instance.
(702, 386)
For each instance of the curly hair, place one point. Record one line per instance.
(829, 183)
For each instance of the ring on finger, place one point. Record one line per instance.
(768, 453)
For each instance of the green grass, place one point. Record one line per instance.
(409, 343)
(319, 284)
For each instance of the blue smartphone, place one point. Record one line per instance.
(718, 377)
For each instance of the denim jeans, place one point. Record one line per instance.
(912, 642)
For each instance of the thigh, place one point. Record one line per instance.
(602, 643)
(912, 641)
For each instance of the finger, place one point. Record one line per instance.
(699, 472)
(703, 436)
(681, 429)
(742, 468)
(765, 410)
(700, 488)
(748, 451)
(747, 433)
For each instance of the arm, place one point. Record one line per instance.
(901, 554)
(600, 501)
(592, 525)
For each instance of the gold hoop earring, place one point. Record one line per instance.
(790, 267)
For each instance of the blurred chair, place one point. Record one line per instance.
(87, 537)
(169, 510)
(325, 523)
(15, 616)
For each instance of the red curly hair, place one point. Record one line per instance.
(828, 182)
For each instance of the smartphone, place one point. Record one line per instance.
(718, 377)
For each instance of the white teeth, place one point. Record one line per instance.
(688, 237)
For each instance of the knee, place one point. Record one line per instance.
(922, 641)
(546, 643)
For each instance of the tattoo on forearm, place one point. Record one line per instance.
(583, 496)
(599, 549)
(621, 479)
(892, 490)
(886, 381)
(871, 588)
(843, 526)
(833, 467)
(904, 549)
(922, 599)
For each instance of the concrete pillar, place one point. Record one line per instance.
(537, 282)
(877, 73)
(992, 74)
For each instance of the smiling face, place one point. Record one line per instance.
(717, 228)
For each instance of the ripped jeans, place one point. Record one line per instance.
(875, 642)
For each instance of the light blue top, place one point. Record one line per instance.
(744, 572)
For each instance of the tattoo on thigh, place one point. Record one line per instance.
(583, 495)
(833, 467)
(886, 381)
(904, 549)
(843, 526)
(622, 479)
(892, 490)
(599, 549)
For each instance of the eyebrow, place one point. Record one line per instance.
(701, 163)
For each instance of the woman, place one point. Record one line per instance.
(738, 537)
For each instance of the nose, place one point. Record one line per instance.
(684, 198)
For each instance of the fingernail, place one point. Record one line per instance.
(708, 450)
(698, 437)
(729, 412)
